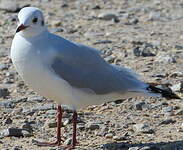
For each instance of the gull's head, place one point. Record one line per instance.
(30, 22)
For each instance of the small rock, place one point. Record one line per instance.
(167, 109)
(167, 121)
(145, 50)
(134, 148)
(110, 59)
(177, 87)
(14, 132)
(139, 105)
(11, 6)
(68, 141)
(108, 16)
(109, 135)
(51, 123)
(179, 112)
(102, 42)
(92, 126)
(3, 67)
(134, 21)
(17, 148)
(7, 104)
(147, 148)
(35, 99)
(8, 121)
(143, 128)
(4, 92)
(176, 74)
(166, 59)
(178, 47)
(66, 122)
(44, 107)
(119, 138)
(154, 16)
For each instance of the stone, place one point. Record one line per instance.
(109, 136)
(143, 128)
(179, 112)
(154, 16)
(11, 6)
(102, 42)
(92, 126)
(165, 58)
(14, 132)
(177, 87)
(167, 109)
(7, 104)
(35, 99)
(119, 138)
(167, 121)
(3, 67)
(68, 141)
(4, 92)
(134, 148)
(8, 121)
(66, 122)
(51, 123)
(145, 50)
(139, 105)
(108, 16)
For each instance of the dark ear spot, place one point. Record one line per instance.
(42, 23)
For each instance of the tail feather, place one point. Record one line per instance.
(165, 92)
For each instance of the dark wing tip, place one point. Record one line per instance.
(166, 92)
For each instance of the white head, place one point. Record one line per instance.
(31, 22)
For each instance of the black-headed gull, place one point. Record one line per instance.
(68, 72)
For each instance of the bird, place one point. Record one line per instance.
(68, 72)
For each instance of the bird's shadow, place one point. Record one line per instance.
(176, 145)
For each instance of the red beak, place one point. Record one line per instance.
(20, 28)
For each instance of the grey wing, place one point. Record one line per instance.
(93, 73)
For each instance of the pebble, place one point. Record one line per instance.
(44, 107)
(35, 99)
(119, 138)
(167, 109)
(92, 126)
(145, 50)
(14, 132)
(68, 141)
(66, 122)
(176, 74)
(102, 42)
(8, 121)
(3, 67)
(166, 59)
(177, 87)
(4, 92)
(11, 6)
(108, 16)
(134, 148)
(7, 104)
(109, 135)
(139, 105)
(143, 128)
(167, 121)
(50, 123)
(154, 16)
(179, 112)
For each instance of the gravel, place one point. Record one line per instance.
(142, 35)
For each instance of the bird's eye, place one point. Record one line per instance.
(35, 20)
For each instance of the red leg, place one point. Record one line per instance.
(74, 141)
(59, 125)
